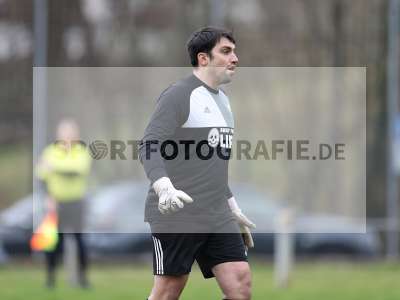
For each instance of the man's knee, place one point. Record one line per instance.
(166, 293)
(167, 287)
(241, 286)
(172, 289)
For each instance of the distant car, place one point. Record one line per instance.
(115, 220)
(114, 225)
(314, 234)
(16, 226)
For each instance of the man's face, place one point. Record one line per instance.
(223, 61)
(68, 131)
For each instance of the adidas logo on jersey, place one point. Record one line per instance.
(207, 110)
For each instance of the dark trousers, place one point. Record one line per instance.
(53, 257)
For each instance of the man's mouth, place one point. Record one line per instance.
(231, 68)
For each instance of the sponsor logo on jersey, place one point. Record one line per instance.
(213, 137)
(222, 137)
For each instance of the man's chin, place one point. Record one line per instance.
(227, 79)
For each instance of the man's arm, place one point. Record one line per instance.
(228, 193)
(244, 223)
(163, 123)
(43, 167)
(167, 117)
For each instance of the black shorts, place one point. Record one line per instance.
(175, 253)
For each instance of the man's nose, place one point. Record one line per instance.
(234, 58)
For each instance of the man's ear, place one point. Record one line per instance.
(203, 59)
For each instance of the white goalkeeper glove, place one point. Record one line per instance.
(169, 198)
(244, 223)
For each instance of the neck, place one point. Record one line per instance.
(67, 144)
(203, 76)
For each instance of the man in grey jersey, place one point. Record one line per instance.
(185, 152)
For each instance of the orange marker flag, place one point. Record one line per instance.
(45, 237)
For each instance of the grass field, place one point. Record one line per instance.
(322, 281)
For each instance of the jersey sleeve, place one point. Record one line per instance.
(228, 193)
(169, 115)
(43, 168)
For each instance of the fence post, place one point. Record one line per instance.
(71, 259)
(283, 252)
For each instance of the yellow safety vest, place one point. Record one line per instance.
(65, 172)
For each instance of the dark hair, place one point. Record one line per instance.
(204, 40)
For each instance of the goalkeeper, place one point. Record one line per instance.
(185, 153)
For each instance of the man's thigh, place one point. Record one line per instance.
(221, 248)
(173, 257)
(234, 279)
(168, 287)
(231, 272)
(174, 253)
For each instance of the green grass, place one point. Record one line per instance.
(327, 281)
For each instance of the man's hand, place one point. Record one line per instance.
(244, 223)
(169, 198)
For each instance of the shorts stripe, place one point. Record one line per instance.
(156, 253)
(159, 256)
(162, 257)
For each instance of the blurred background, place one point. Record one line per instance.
(139, 33)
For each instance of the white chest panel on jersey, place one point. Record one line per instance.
(204, 111)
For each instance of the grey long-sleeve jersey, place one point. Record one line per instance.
(189, 140)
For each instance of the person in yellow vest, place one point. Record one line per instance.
(64, 167)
